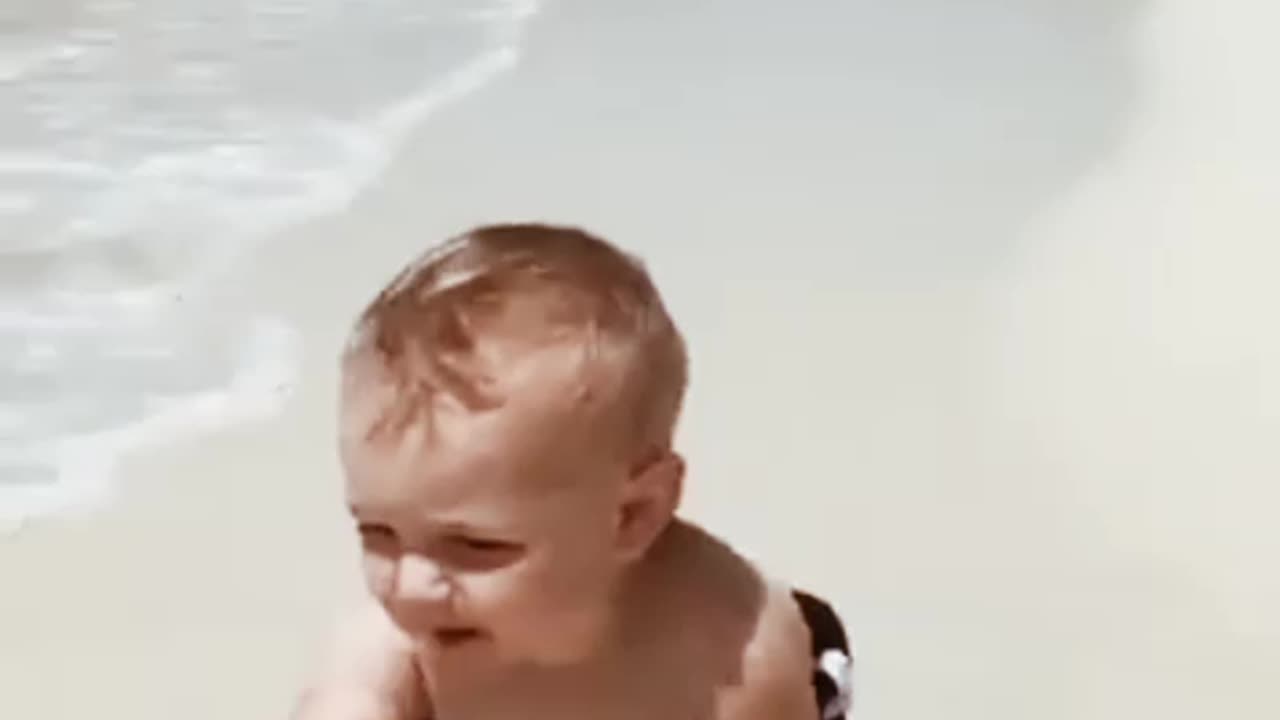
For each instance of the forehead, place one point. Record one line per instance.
(494, 467)
(535, 396)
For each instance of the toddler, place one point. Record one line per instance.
(508, 405)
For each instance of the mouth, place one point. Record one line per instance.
(453, 637)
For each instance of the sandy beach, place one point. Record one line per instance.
(980, 315)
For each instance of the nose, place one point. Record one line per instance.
(422, 590)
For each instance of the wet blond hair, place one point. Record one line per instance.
(547, 285)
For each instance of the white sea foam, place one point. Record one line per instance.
(154, 144)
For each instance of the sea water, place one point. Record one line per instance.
(148, 145)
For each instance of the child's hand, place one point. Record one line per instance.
(371, 674)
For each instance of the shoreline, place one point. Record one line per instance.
(1011, 530)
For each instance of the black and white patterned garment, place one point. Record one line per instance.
(832, 657)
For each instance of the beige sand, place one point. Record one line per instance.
(981, 313)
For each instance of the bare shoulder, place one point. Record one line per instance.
(756, 622)
(777, 667)
(369, 673)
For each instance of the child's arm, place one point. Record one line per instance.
(371, 674)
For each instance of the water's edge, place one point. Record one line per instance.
(153, 149)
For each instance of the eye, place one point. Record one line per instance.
(481, 553)
(372, 533)
(486, 545)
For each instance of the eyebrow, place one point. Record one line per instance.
(461, 528)
(448, 527)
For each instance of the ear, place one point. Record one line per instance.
(650, 496)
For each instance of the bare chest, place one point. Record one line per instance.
(683, 687)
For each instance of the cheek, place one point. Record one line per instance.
(379, 574)
(546, 606)
(505, 597)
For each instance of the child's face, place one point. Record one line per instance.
(493, 533)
